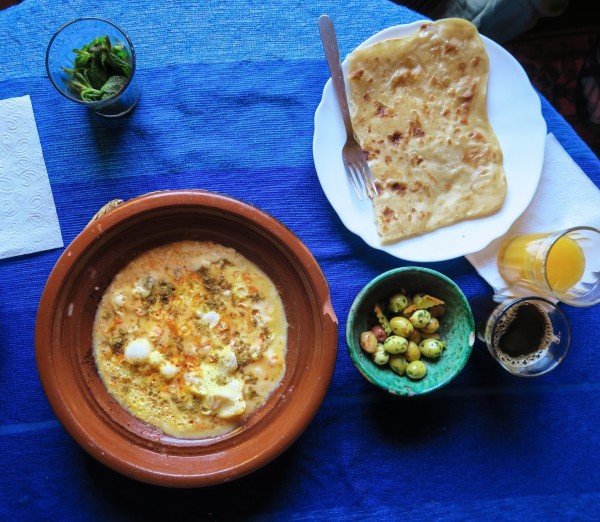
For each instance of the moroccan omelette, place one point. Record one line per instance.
(190, 337)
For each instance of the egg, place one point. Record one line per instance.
(155, 358)
(138, 351)
(210, 318)
(191, 337)
(168, 370)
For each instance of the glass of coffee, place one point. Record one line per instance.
(528, 336)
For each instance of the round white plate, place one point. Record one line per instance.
(514, 110)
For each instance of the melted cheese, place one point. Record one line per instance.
(191, 338)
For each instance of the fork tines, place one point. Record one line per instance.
(361, 178)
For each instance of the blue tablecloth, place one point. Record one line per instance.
(229, 94)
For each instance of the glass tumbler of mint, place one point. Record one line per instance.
(91, 61)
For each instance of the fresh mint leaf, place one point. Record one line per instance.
(100, 70)
(112, 86)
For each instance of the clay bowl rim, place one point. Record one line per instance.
(141, 452)
(377, 287)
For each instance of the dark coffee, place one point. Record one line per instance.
(523, 334)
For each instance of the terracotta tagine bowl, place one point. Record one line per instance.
(63, 338)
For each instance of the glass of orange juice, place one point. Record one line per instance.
(564, 265)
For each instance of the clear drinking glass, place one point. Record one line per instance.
(564, 265)
(60, 55)
(527, 336)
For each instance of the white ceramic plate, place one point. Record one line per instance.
(514, 109)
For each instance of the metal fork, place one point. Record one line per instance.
(355, 162)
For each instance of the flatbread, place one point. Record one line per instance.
(419, 112)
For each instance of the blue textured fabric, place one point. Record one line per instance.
(229, 94)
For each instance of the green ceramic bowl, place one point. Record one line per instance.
(456, 329)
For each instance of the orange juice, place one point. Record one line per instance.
(522, 261)
(565, 265)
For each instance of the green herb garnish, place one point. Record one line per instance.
(100, 70)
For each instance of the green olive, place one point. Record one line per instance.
(368, 342)
(417, 297)
(401, 326)
(432, 326)
(398, 302)
(399, 364)
(381, 357)
(431, 348)
(416, 370)
(395, 344)
(420, 318)
(412, 352)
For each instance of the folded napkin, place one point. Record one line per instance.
(28, 220)
(565, 197)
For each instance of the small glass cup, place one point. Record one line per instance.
(527, 336)
(564, 265)
(60, 55)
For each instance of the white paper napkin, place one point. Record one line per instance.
(28, 220)
(565, 197)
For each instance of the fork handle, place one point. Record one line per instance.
(332, 52)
